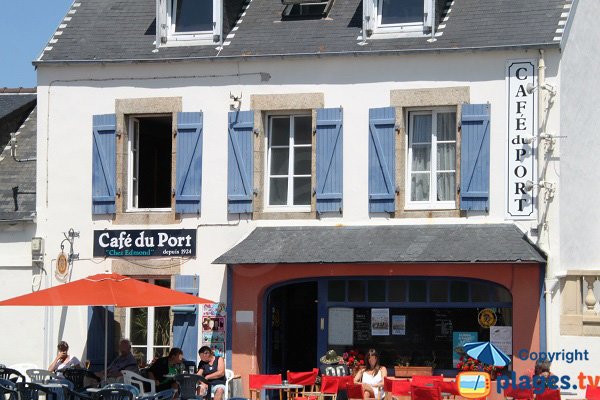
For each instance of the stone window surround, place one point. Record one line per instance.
(142, 106)
(578, 316)
(262, 104)
(405, 99)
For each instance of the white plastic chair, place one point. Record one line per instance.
(228, 378)
(131, 378)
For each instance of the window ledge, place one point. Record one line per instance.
(396, 33)
(303, 209)
(429, 207)
(196, 40)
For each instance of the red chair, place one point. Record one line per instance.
(257, 381)
(306, 379)
(518, 394)
(354, 391)
(425, 392)
(592, 393)
(330, 386)
(548, 394)
(421, 380)
(400, 388)
(449, 387)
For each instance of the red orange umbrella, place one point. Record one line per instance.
(105, 290)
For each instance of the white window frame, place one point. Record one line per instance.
(149, 347)
(372, 10)
(431, 204)
(290, 197)
(175, 38)
(133, 165)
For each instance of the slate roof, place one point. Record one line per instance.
(118, 30)
(17, 179)
(12, 102)
(384, 244)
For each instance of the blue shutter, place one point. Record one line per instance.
(240, 162)
(104, 163)
(95, 336)
(475, 157)
(382, 159)
(185, 319)
(189, 162)
(329, 160)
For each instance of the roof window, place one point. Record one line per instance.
(388, 18)
(305, 9)
(188, 22)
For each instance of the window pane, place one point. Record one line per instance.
(194, 15)
(162, 326)
(401, 11)
(459, 292)
(499, 293)
(140, 355)
(445, 186)
(302, 160)
(446, 126)
(419, 190)
(356, 291)
(438, 291)
(301, 191)
(421, 130)
(278, 191)
(421, 157)
(397, 291)
(280, 134)
(139, 326)
(480, 292)
(417, 291)
(303, 130)
(376, 290)
(280, 161)
(336, 291)
(446, 157)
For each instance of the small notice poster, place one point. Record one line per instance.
(398, 324)
(380, 321)
(340, 326)
(501, 337)
(459, 339)
(213, 327)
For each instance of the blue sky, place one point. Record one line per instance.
(25, 27)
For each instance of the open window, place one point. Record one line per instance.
(306, 9)
(414, 17)
(188, 22)
(149, 163)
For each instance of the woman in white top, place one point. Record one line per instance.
(63, 360)
(372, 377)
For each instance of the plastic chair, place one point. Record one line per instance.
(113, 394)
(78, 377)
(518, 394)
(187, 386)
(257, 381)
(425, 392)
(133, 389)
(8, 391)
(31, 391)
(71, 394)
(8, 384)
(40, 375)
(131, 378)
(11, 374)
(548, 394)
(592, 393)
(228, 378)
(164, 395)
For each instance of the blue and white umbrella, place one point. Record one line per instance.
(487, 353)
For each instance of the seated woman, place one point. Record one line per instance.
(63, 360)
(372, 377)
(212, 368)
(169, 365)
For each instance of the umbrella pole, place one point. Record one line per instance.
(105, 339)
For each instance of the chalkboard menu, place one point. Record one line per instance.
(362, 326)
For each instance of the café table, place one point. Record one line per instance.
(281, 387)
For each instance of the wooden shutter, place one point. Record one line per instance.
(189, 162)
(95, 336)
(104, 163)
(382, 159)
(329, 160)
(185, 319)
(240, 163)
(475, 157)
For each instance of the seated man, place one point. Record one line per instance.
(125, 361)
(333, 365)
(170, 365)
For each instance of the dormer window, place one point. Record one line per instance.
(396, 18)
(188, 22)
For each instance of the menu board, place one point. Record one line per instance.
(362, 326)
(340, 326)
(443, 325)
(213, 327)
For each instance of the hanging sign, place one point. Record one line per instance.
(487, 317)
(521, 146)
(145, 243)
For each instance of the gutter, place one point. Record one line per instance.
(532, 46)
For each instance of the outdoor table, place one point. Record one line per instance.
(281, 387)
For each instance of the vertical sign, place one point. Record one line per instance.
(213, 327)
(521, 145)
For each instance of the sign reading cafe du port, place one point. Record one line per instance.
(145, 243)
(522, 127)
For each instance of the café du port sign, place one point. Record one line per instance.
(145, 243)
(522, 128)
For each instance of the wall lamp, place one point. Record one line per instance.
(530, 88)
(549, 186)
(542, 136)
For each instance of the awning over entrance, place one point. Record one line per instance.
(384, 244)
